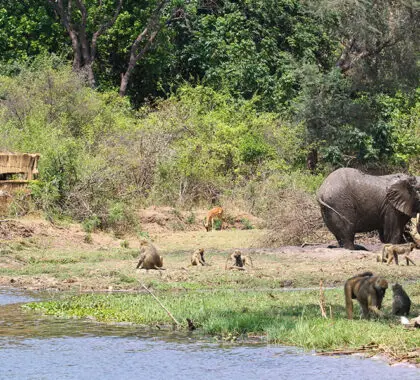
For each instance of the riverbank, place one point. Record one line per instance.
(277, 317)
(226, 304)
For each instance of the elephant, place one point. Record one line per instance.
(352, 201)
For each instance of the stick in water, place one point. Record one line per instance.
(160, 303)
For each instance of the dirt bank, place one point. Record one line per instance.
(37, 254)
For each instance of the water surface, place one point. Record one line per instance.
(37, 347)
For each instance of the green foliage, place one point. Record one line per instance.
(218, 144)
(100, 159)
(217, 224)
(353, 128)
(191, 218)
(378, 41)
(28, 28)
(255, 47)
(271, 79)
(125, 244)
(48, 109)
(91, 224)
(247, 225)
(402, 114)
(88, 238)
(143, 235)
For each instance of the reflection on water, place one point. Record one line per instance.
(35, 347)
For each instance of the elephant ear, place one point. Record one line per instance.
(403, 195)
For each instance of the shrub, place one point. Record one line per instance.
(247, 224)
(295, 219)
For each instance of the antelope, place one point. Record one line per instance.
(214, 213)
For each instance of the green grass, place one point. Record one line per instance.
(291, 318)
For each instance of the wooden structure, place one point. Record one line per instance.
(16, 170)
(21, 164)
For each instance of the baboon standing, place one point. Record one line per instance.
(369, 290)
(391, 251)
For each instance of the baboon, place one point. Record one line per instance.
(214, 213)
(149, 257)
(238, 261)
(369, 290)
(401, 303)
(391, 251)
(197, 257)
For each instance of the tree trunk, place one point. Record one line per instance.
(83, 49)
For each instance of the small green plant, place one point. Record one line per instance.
(88, 238)
(124, 244)
(191, 218)
(143, 235)
(91, 224)
(217, 224)
(247, 224)
(122, 278)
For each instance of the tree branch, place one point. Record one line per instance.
(104, 27)
(153, 27)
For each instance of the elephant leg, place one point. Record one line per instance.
(381, 235)
(345, 240)
(349, 242)
(394, 228)
(341, 229)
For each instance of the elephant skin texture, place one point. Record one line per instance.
(352, 201)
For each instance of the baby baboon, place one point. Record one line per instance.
(149, 257)
(391, 251)
(238, 261)
(246, 260)
(197, 258)
(369, 290)
(402, 303)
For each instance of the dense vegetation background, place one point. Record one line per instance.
(190, 103)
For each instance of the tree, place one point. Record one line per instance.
(142, 44)
(27, 28)
(252, 47)
(84, 30)
(379, 39)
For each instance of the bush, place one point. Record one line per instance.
(295, 219)
(100, 160)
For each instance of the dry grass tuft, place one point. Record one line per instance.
(295, 220)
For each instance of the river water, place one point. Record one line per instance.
(37, 347)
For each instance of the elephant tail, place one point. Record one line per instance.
(334, 210)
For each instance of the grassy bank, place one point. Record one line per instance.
(286, 317)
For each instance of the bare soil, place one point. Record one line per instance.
(36, 254)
